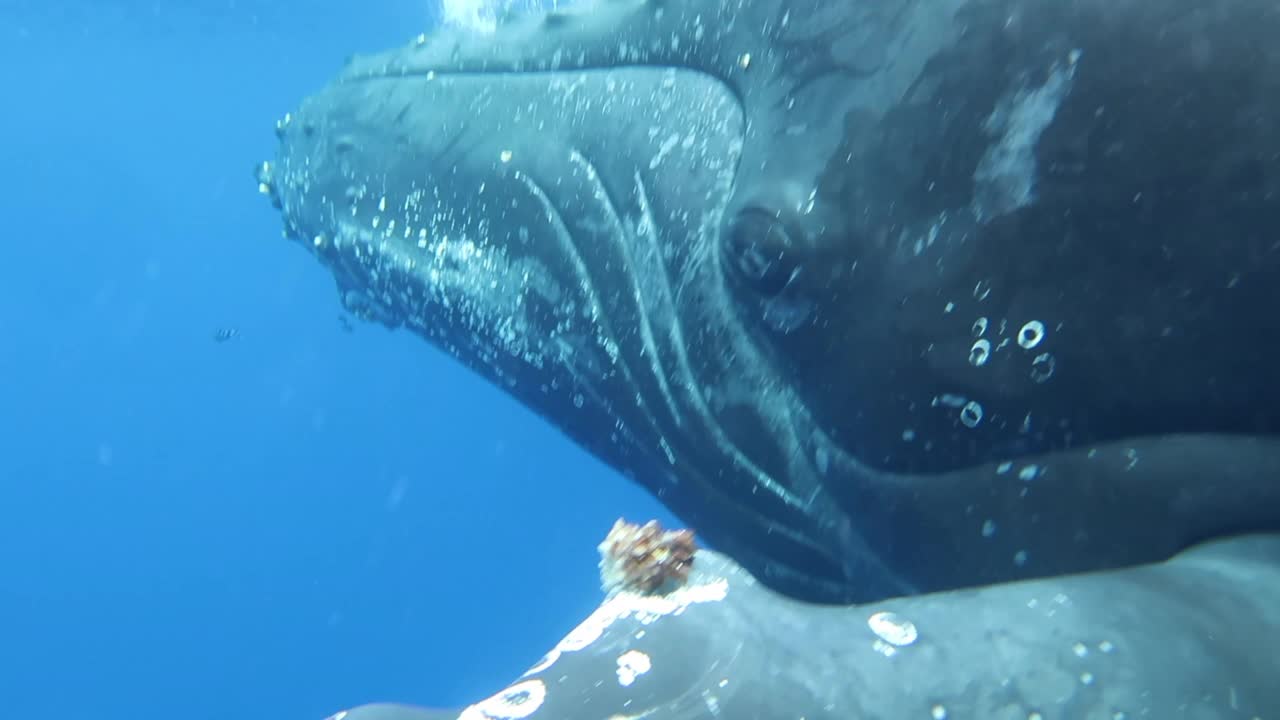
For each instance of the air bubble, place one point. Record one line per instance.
(971, 414)
(979, 353)
(1042, 367)
(1031, 334)
(939, 712)
(578, 400)
(949, 400)
(980, 326)
(1020, 558)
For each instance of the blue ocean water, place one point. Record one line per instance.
(278, 526)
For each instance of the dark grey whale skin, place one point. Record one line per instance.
(1193, 637)
(747, 252)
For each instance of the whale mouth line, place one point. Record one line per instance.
(442, 72)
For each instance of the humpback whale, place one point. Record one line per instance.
(951, 302)
(881, 298)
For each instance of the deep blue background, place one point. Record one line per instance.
(275, 527)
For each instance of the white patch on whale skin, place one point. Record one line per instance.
(547, 661)
(1005, 176)
(631, 665)
(645, 609)
(893, 628)
(518, 701)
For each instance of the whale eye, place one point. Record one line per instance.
(757, 248)
(765, 255)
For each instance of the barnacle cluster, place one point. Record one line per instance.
(645, 559)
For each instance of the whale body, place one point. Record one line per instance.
(1191, 637)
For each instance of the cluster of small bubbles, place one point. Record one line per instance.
(971, 414)
(980, 352)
